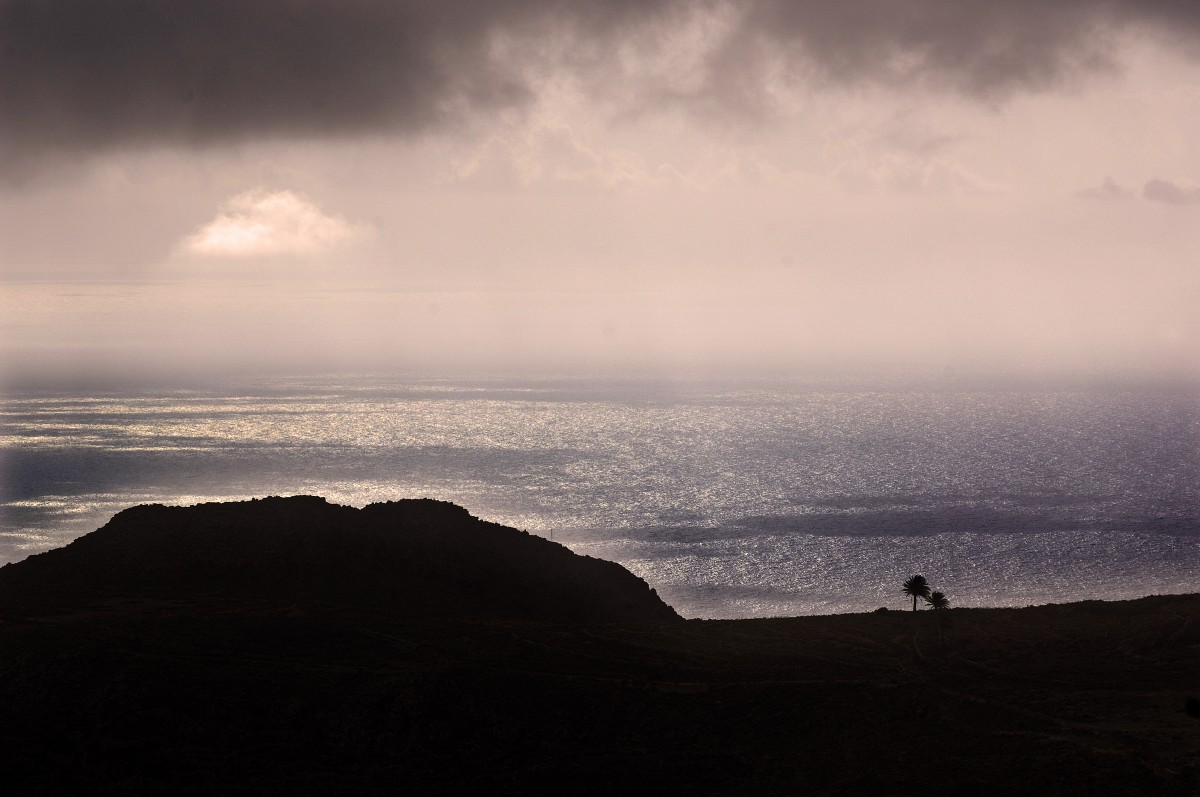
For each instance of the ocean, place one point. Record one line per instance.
(733, 499)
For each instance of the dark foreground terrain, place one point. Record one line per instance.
(289, 646)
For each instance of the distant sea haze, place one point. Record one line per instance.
(738, 499)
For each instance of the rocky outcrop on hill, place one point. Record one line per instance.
(410, 559)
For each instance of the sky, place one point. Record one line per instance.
(757, 186)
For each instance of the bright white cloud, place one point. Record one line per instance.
(260, 223)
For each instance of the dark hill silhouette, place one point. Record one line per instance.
(291, 646)
(409, 559)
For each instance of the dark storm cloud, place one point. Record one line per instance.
(983, 49)
(94, 74)
(980, 47)
(86, 74)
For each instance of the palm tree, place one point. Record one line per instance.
(938, 600)
(917, 587)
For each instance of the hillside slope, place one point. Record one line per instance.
(409, 559)
(289, 646)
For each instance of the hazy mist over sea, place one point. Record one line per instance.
(734, 498)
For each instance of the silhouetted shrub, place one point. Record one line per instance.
(937, 600)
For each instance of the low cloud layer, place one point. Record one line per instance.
(258, 223)
(1109, 190)
(1172, 193)
(81, 75)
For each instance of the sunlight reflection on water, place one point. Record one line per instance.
(747, 500)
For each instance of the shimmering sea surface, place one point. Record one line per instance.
(742, 499)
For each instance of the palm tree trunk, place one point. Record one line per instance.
(914, 603)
